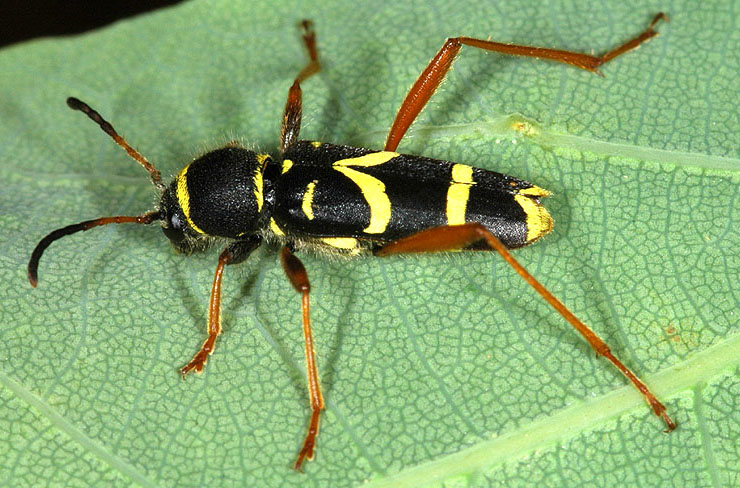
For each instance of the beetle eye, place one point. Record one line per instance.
(176, 222)
(175, 231)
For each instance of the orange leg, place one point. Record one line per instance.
(448, 238)
(291, 126)
(214, 319)
(299, 279)
(235, 253)
(429, 79)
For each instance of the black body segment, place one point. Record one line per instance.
(221, 193)
(328, 190)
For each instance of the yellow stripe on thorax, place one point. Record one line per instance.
(307, 205)
(258, 188)
(287, 164)
(539, 221)
(373, 190)
(346, 243)
(261, 158)
(458, 193)
(275, 228)
(183, 198)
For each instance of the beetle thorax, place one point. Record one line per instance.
(220, 194)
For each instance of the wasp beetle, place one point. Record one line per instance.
(349, 201)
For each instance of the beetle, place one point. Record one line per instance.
(347, 201)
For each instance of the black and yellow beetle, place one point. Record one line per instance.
(349, 201)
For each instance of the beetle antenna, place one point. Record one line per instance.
(33, 263)
(154, 174)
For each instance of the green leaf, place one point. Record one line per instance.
(441, 370)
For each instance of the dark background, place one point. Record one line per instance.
(23, 20)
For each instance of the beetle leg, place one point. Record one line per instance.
(457, 237)
(291, 126)
(235, 253)
(429, 79)
(299, 279)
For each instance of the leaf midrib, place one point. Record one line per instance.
(699, 369)
(518, 126)
(87, 443)
(540, 434)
